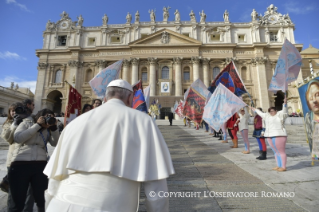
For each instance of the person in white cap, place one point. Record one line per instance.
(104, 155)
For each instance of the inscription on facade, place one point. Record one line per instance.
(217, 51)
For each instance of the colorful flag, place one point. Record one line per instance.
(147, 96)
(222, 105)
(138, 97)
(185, 96)
(194, 106)
(179, 109)
(287, 68)
(230, 78)
(100, 82)
(73, 107)
(175, 106)
(200, 87)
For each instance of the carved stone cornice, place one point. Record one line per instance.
(205, 61)
(75, 63)
(261, 60)
(135, 61)
(42, 65)
(100, 63)
(152, 60)
(177, 60)
(195, 60)
(229, 59)
(126, 63)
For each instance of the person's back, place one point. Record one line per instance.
(103, 156)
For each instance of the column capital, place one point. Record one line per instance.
(229, 59)
(195, 60)
(126, 63)
(135, 61)
(152, 60)
(177, 60)
(205, 61)
(75, 63)
(100, 63)
(261, 60)
(42, 65)
(253, 61)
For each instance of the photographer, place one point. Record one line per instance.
(30, 157)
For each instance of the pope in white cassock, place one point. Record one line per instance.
(104, 155)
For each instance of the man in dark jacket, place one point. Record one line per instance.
(170, 118)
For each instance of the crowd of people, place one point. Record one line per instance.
(267, 126)
(97, 163)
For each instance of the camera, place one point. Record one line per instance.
(20, 110)
(49, 120)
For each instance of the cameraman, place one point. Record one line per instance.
(30, 157)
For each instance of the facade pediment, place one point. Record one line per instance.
(166, 37)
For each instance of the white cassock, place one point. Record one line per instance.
(102, 158)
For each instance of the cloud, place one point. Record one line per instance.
(22, 6)
(293, 7)
(11, 55)
(6, 82)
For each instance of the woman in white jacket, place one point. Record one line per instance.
(243, 128)
(276, 133)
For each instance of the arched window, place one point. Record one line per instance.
(244, 73)
(58, 76)
(216, 71)
(165, 72)
(144, 74)
(89, 75)
(186, 74)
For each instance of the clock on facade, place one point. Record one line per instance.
(272, 19)
(64, 24)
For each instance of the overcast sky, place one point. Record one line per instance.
(23, 21)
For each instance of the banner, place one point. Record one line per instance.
(287, 68)
(309, 97)
(138, 97)
(194, 106)
(73, 107)
(147, 91)
(100, 82)
(222, 105)
(179, 109)
(230, 78)
(200, 87)
(164, 87)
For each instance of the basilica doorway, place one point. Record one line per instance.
(279, 100)
(54, 101)
(165, 112)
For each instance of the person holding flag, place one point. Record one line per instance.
(243, 128)
(276, 133)
(259, 131)
(232, 126)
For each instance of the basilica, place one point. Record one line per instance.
(166, 53)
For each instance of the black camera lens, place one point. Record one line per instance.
(50, 120)
(19, 110)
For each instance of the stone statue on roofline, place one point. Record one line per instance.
(192, 16)
(137, 17)
(177, 16)
(105, 19)
(128, 18)
(166, 13)
(80, 20)
(202, 17)
(152, 15)
(226, 16)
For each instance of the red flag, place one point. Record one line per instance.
(73, 107)
(179, 109)
(194, 105)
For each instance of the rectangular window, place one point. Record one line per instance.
(186, 76)
(273, 36)
(91, 42)
(62, 40)
(215, 37)
(186, 34)
(144, 76)
(115, 39)
(241, 38)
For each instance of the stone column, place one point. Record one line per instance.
(178, 76)
(195, 61)
(74, 69)
(126, 65)
(152, 62)
(206, 71)
(40, 87)
(262, 82)
(100, 64)
(134, 70)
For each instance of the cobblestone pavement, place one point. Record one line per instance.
(202, 165)
(201, 168)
